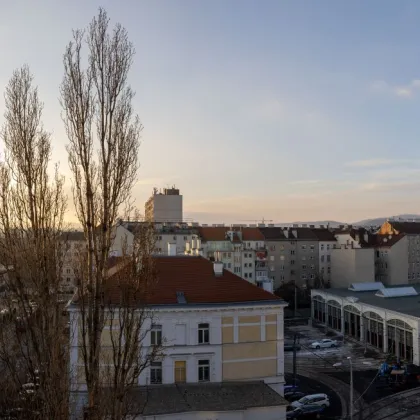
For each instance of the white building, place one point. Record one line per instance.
(219, 333)
(240, 249)
(387, 318)
(351, 264)
(164, 206)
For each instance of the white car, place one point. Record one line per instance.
(321, 400)
(324, 344)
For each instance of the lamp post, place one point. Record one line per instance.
(351, 382)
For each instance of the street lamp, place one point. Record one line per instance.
(351, 381)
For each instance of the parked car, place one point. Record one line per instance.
(321, 400)
(324, 344)
(289, 347)
(306, 411)
(291, 387)
(294, 395)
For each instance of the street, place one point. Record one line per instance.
(322, 360)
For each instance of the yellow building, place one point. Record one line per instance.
(218, 331)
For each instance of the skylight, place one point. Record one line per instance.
(396, 292)
(366, 287)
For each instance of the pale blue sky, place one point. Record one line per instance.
(288, 110)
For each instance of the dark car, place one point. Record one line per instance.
(306, 411)
(291, 387)
(289, 347)
(293, 395)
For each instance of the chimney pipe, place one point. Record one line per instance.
(218, 268)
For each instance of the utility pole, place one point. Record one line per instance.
(296, 300)
(294, 360)
(351, 388)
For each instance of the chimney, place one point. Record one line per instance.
(218, 268)
(171, 249)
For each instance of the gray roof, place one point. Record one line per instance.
(408, 305)
(179, 398)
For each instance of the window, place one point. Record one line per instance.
(246, 265)
(328, 247)
(322, 247)
(271, 257)
(311, 257)
(292, 252)
(203, 334)
(156, 335)
(303, 266)
(312, 267)
(312, 276)
(203, 370)
(180, 371)
(312, 248)
(156, 373)
(303, 258)
(272, 248)
(292, 262)
(303, 276)
(329, 270)
(250, 275)
(229, 255)
(322, 258)
(174, 238)
(328, 258)
(68, 279)
(281, 257)
(237, 270)
(303, 246)
(229, 265)
(246, 275)
(185, 238)
(68, 271)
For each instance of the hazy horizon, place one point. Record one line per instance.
(278, 110)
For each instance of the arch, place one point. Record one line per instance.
(399, 323)
(333, 302)
(318, 298)
(352, 309)
(373, 315)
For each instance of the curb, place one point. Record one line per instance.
(339, 387)
(395, 397)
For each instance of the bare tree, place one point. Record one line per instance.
(104, 138)
(32, 205)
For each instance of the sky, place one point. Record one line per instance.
(282, 110)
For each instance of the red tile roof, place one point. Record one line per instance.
(195, 278)
(212, 233)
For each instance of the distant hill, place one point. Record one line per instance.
(380, 220)
(331, 223)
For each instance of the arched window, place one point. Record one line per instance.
(374, 329)
(320, 309)
(400, 339)
(334, 315)
(352, 309)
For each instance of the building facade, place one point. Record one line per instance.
(224, 330)
(164, 206)
(390, 324)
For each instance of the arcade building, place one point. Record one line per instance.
(387, 318)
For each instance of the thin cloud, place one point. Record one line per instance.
(393, 187)
(401, 91)
(305, 181)
(372, 163)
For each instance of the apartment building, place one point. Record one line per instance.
(293, 254)
(398, 257)
(178, 234)
(223, 337)
(74, 245)
(326, 243)
(240, 249)
(164, 206)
